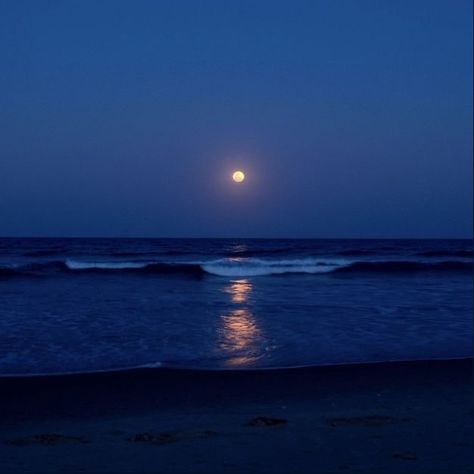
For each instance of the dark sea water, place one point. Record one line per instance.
(79, 305)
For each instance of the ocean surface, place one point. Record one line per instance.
(81, 305)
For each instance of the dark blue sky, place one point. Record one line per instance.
(126, 118)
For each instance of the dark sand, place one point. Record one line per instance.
(379, 418)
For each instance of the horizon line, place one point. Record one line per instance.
(229, 238)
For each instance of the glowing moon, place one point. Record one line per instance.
(238, 176)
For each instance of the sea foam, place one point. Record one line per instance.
(258, 267)
(76, 265)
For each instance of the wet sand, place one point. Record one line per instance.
(376, 418)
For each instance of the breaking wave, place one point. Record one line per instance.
(398, 266)
(236, 267)
(258, 267)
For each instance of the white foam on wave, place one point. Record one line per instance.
(258, 267)
(230, 267)
(76, 265)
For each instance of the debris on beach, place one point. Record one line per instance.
(161, 438)
(169, 437)
(47, 439)
(406, 455)
(371, 420)
(266, 421)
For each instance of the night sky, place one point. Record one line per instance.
(127, 118)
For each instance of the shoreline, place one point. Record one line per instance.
(158, 366)
(380, 417)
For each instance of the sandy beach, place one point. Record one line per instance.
(380, 418)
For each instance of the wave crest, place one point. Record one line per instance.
(397, 266)
(257, 267)
(236, 267)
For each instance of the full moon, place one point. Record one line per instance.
(238, 176)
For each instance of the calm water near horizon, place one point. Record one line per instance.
(76, 305)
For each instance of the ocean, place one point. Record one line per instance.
(85, 305)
